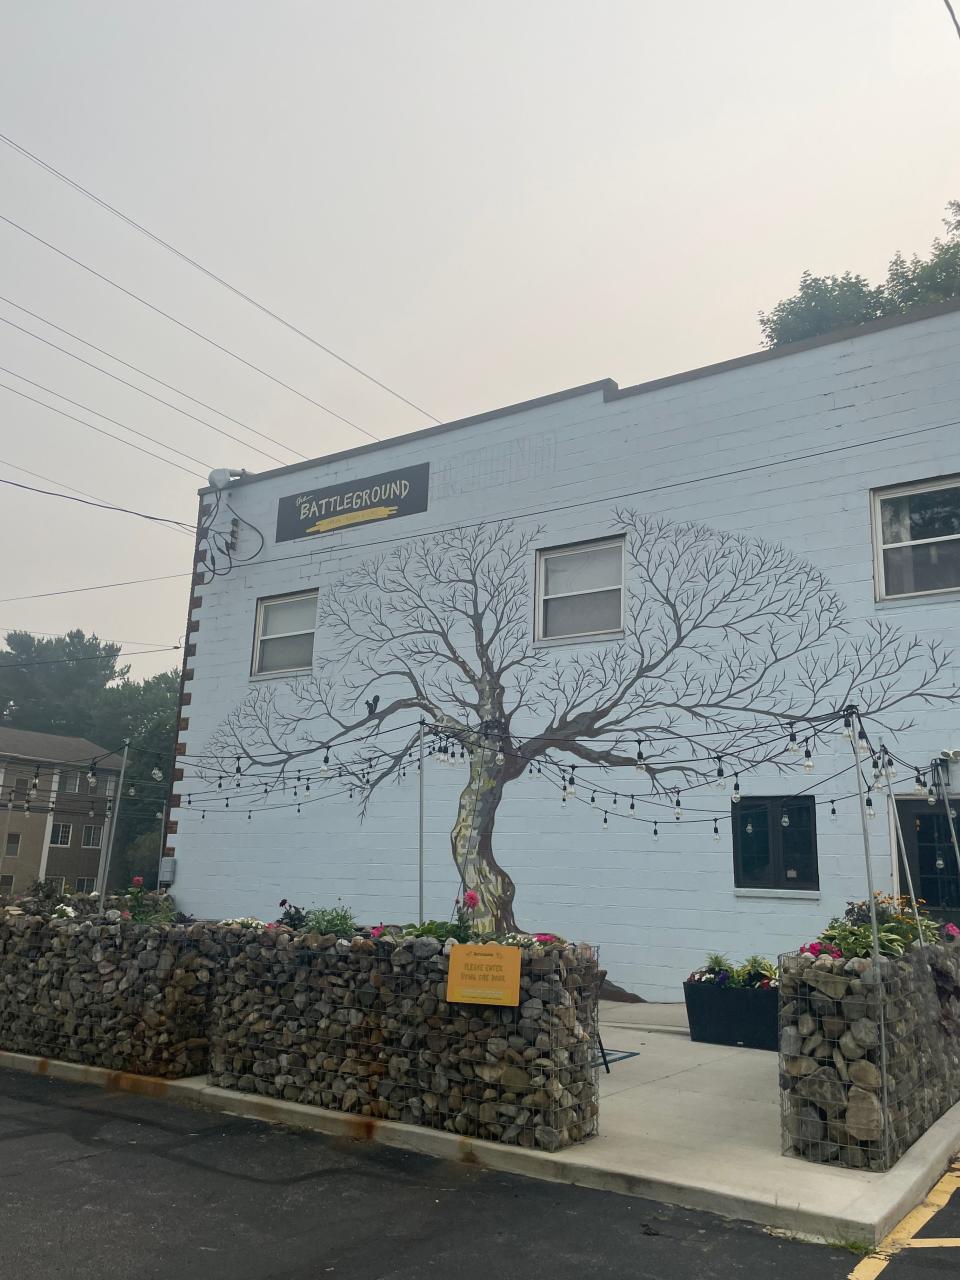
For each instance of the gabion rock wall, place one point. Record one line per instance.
(364, 1027)
(869, 1058)
(114, 994)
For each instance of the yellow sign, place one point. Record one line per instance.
(484, 974)
(352, 517)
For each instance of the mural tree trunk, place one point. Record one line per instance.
(726, 640)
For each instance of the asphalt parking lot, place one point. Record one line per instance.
(113, 1186)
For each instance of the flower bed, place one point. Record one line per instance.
(733, 1004)
(363, 1026)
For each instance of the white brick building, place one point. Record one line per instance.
(824, 483)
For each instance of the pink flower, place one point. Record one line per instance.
(125, 915)
(951, 931)
(137, 882)
(471, 900)
(544, 937)
(376, 931)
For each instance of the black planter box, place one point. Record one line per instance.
(742, 1016)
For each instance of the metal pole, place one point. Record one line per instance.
(946, 804)
(113, 828)
(420, 778)
(866, 853)
(904, 861)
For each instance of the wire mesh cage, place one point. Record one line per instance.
(116, 994)
(363, 1026)
(866, 1062)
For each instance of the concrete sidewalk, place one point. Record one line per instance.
(685, 1124)
(670, 1018)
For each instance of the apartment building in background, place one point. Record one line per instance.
(57, 801)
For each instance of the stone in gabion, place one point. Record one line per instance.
(364, 1027)
(869, 1055)
(115, 994)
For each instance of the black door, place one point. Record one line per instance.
(932, 858)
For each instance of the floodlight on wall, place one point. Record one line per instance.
(223, 477)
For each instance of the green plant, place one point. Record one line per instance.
(897, 929)
(440, 929)
(338, 920)
(147, 906)
(292, 916)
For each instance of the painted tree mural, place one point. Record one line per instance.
(726, 638)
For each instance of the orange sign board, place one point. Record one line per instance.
(484, 974)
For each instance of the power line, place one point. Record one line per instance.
(6, 628)
(142, 391)
(239, 293)
(152, 376)
(569, 506)
(105, 506)
(950, 10)
(102, 586)
(188, 328)
(67, 661)
(109, 434)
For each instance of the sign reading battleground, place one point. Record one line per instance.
(386, 497)
(488, 974)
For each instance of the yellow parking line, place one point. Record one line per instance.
(902, 1236)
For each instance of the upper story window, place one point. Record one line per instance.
(70, 783)
(775, 843)
(580, 591)
(92, 836)
(12, 849)
(284, 636)
(60, 833)
(916, 531)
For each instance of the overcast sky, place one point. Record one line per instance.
(478, 203)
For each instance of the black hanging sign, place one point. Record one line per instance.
(385, 497)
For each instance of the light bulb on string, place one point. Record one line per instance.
(876, 769)
(593, 797)
(736, 789)
(749, 828)
(156, 773)
(326, 758)
(615, 798)
(807, 756)
(220, 784)
(266, 789)
(26, 808)
(919, 786)
(539, 769)
(939, 864)
(91, 812)
(249, 815)
(641, 763)
(716, 831)
(833, 810)
(931, 796)
(131, 790)
(203, 816)
(463, 752)
(633, 804)
(606, 824)
(792, 745)
(863, 746)
(530, 769)
(571, 781)
(298, 808)
(868, 804)
(189, 801)
(498, 758)
(34, 785)
(784, 819)
(656, 832)
(889, 768)
(159, 815)
(226, 803)
(721, 780)
(677, 809)
(847, 726)
(92, 774)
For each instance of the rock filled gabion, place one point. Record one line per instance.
(111, 993)
(363, 1026)
(869, 1057)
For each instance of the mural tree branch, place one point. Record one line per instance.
(726, 638)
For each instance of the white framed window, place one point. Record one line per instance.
(283, 641)
(60, 833)
(580, 591)
(92, 837)
(85, 884)
(916, 538)
(71, 783)
(12, 849)
(6, 884)
(111, 785)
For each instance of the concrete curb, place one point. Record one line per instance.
(868, 1218)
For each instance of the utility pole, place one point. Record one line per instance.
(113, 828)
